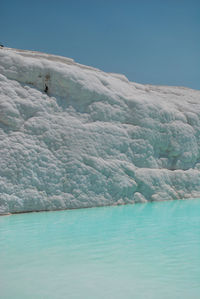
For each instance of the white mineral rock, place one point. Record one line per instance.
(92, 138)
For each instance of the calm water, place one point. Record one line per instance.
(138, 251)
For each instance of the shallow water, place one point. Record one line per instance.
(136, 251)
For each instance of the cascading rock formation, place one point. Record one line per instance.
(73, 136)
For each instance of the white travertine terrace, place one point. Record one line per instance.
(92, 138)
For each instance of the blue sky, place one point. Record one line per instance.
(150, 41)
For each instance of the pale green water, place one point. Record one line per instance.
(140, 251)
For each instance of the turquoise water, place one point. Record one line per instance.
(137, 251)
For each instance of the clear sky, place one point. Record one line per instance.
(150, 41)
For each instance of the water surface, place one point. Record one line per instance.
(137, 251)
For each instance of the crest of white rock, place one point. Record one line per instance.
(72, 136)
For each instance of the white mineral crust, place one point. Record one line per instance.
(93, 138)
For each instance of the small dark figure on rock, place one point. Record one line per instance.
(1, 46)
(46, 88)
